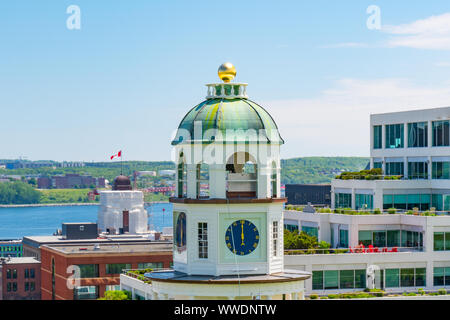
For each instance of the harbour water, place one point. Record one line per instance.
(35, 221)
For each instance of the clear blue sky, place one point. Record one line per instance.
(128, 76)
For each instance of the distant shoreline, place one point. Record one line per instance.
(63, 204)
(47, 205)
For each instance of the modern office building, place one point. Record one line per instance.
(99, 266)
(302, 194)
(406, 252)
(20, 279)
(413, 150)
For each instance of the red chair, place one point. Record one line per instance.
(370, 248)
(394, 249)
(351, 250)
(376, 250)
(385, 249)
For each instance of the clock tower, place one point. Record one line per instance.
(227, 211)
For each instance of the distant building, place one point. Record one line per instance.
(20, 279)
(302, 194)
(20, 164)
(11, 248)
(100, 266)
(70, 181)
(146, 173)
(166, 172)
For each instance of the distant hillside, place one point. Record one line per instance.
(297, 170)
(313, 170)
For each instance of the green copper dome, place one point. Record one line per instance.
(228, 120)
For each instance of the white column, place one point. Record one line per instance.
(217, 181)
(353, 199)
(191, 181)
(430, 168)
(263, 187)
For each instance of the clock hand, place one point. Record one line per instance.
(242, 234)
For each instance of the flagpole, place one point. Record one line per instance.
(121, 163)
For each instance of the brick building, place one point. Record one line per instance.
(20, 279)
(70, 180)
(100, 266)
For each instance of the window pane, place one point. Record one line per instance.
(407, 277)
(343, 238)
(331, 279)
(447, 241)
(447, 276)
(393, 238)
(394, 136)
(347, 280)
(440, 133)
(377, 137)
(365, 237)
(311, 231)
(86, 292)
(421, 277)
(117, 268)
(392, 278)
(438, 276)
(88, 270)
(150, 265)
(317, 278)
(360, 279)
(379, 238)
(439, 241)
(417, 135)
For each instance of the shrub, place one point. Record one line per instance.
(421, 291)
(377, 211)
(392, 211)
(442, 292)
(313, 296)
(324, 297)
(333, 296)
(409, 294)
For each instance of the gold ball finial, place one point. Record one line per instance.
(227, 72)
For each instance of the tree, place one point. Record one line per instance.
(18, 192)
(302, 240)
(117, 295)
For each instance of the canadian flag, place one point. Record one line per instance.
(119, 154)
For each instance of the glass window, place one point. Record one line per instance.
(116, 268)
(9, 286)
(32, 286)
(343, 200)
(363, 201)
(151, 265)
(392, 278)
(441, 133)
(438, 276)
(377, 137)
(393, 238)
(331, 279)
(447, 276)
(395, 169)
(447, 241)
(8, 273)
(275, 238)
(14, 286)
(27, 273)
(112, 288)
(394, 136)
(27, 286)
(85, 293)
(441, 170)
(346, 279)
(202, 180)
(407, 277)
(273, 180)
(420, 277)
(365, 237)
(343, 238)
(418, 135)
(311, 231)
(379, 238)
(360, 279)
(32, 273)
(417, 170)
(88, 270)
(317, 279)
(291, 227)
(202, 240)
(439, 242)
(378, 165)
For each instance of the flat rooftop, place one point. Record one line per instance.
(112, 248)
(20, 260)
(36, 241)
